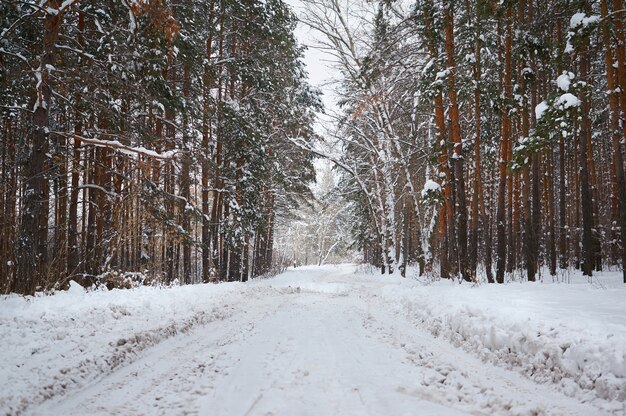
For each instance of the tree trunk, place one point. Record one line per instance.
(185, 183)
(473, 247)
(207, 134)
(529, 229)
(443, 170)
(459, 171)
(504, 153)
(32, 256)
(616, 134)
(588, 246)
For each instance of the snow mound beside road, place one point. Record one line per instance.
(570, 334)
(53, 344)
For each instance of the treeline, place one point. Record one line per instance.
(318, 233)
(147, 138)
(482, 135)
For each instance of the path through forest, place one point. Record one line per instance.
(322, 343)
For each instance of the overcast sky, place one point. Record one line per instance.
(317, 62)
(321, 75)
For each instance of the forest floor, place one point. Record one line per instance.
(319, 341)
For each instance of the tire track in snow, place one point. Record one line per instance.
(167, 378)
(457, 378)
(336, 350)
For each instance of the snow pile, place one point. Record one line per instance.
(54, 344)
(573, 335)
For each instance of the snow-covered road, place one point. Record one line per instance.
(312, 342)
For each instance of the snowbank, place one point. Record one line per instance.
(570, 334)
(53, 344)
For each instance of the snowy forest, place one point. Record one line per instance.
(483, 135)
(313, 207)
(159, 141)
(146, 136)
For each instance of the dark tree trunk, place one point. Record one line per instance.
(32, 255)
(504, 153)
(588, 246)
(620, 52)
(458, 161)
(185, 184)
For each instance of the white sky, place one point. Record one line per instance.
(318, 63)
(322, 75)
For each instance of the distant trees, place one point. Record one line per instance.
(318, 233)
(147, 137)
(510, 117)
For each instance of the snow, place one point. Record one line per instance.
(429, 187)
(571, 334)
(66, 5)
(319, 340)
(129, 150)
(566, 101)
(564, 81)
(427, 67)
(442, 74)
(54, 344)
(581, 19)
(540, 109)
(75, 288)
(576, 20)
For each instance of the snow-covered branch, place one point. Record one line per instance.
(117, 145)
